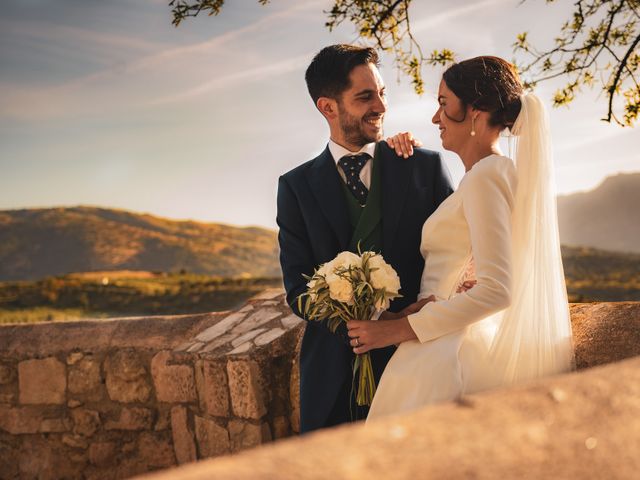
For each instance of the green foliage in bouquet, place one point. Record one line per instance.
(351, 287)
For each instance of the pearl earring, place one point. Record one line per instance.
(473, 126)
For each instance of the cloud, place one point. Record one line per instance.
(151, 79)
(99, 42)
(442, 18)
(233, 79)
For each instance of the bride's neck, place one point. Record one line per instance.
(475, 152)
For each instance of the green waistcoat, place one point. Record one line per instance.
(366, 222)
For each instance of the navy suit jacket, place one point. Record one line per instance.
(314, 227)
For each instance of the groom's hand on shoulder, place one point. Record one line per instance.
(403, 143)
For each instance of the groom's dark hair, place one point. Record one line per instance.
(328, 73)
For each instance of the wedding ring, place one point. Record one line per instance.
(357, 342)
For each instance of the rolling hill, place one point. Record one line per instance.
(35, 243)
(607, 217)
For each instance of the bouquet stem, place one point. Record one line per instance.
(366, 382)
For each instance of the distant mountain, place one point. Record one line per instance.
(607, 217)
(35, 243)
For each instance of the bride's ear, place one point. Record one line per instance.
(328, 107)
(473, 112)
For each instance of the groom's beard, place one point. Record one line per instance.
(355, 130)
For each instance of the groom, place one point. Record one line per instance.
(356, 190)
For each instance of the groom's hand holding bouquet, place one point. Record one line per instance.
(352, 287)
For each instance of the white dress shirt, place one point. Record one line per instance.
(338, 151)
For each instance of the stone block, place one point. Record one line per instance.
(244, 348)
(75, 441)
(183, 347)
(269, 336)
(78, 457)
(213, 439)
(20, 420)
(126, 377)
(212, 387)
(247, 336)
(92, 472)
(173, 383)
(281, 427)
(7, 374)
(124, 364)
(53, 425)
(74, 357)
(163, 420)
(132, 418)
(42, 381)
(130, 467)
(183, 440)
(8, 464)
(7, 398)
(155, 450)
(195, 347)
(128, 391)
(85, 422)
(255, 320)
(40, 459)
(85, 378)
(291, 321)
(248, 398)
(102, 454)
(128, 447)
(245, 435)
(218, 342)
(223, 326)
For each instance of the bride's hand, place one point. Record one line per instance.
(403, 143)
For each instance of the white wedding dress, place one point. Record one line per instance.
(514, 324)
(450, 356)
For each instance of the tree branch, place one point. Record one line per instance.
(616, 79)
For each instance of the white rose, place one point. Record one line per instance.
(383, 275)
(324, 269)
(346, 260)
(340, 289)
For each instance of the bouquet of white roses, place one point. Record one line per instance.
(351, 287)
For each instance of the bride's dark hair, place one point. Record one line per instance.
(487, 83)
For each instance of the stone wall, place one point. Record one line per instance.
(580, 425)
(115, 398)
(570, 427)
(110, 399)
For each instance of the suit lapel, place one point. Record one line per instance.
(324, 181)
(396, 172)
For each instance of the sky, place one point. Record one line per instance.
(107, 104)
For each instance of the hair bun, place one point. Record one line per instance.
(487, 83)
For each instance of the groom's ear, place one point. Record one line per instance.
(328, 107)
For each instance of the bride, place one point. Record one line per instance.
(513, 325)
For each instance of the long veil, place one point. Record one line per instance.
(533, 338)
